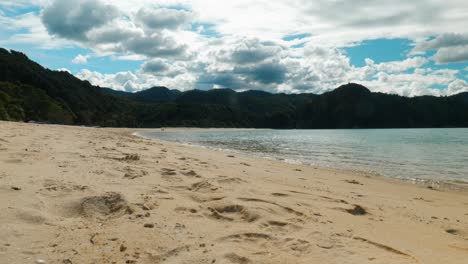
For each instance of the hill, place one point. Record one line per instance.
(28, 91)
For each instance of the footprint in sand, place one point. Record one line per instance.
(204, 187)
(287, 209)
(31, 216)
(280, 227)
(191, 173)
(247, 237)
(171, 175)
(186, 210)
(168, 172)
(297, 247)
(232, 212)
(57, 186)
(234, 258)
(229, 180)
(121, 145)
(107, 205)
(181, 254)
(133, 173)
(204, 198)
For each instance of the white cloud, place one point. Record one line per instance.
(450, 47)
(451, 54)
(443, 41)
(239, 44)
(80, 59)
(163, 18)
(34, 32)
(132, 57)
(401, 66)
(457, 86)
(137, 81)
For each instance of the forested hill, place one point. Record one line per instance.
(30, 92)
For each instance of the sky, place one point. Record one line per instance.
(410, 48)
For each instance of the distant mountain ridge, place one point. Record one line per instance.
(154, 94)
(30, 92)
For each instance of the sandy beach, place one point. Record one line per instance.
(100, 195)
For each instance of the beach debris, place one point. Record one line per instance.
(382, 246)
(452, 231)
(148, 225)
(122, 248)
(147, 207)
(40, 261)
(15, 188)
(91, 240)
(357, 210)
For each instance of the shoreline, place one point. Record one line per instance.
(102, 195)
(447, 185)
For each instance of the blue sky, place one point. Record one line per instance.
(277, 47)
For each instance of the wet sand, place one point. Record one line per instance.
(95, 195)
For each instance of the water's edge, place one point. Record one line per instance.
(432, 184)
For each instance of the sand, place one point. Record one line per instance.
(95, 195)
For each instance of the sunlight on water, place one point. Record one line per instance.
(412, 154)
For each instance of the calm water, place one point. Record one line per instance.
(411, 154)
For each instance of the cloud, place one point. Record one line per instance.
(423, 82)
(154, 46)
(80, 59)
(220, 80)
(163, 68)
(398, 66)
(443, 41)
(73, 19)
(451, 54)
(132, 57)
(163, 18)
(106, 29)
(137, 81)
(457, 86)
(278, 46)
(253, 51)
(450, 47)
(28, 29)
(266, 73)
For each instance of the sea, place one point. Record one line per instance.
(417, 155)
